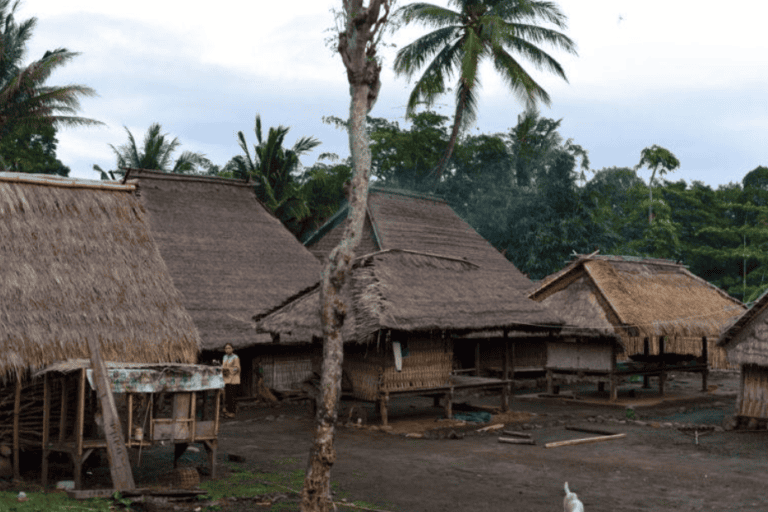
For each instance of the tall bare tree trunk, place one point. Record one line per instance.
(357, 46)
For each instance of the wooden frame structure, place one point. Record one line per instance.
(648, 366)
(75, 433)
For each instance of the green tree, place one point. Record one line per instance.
(25, 99)
(658, 159)
(30, 150)
(156, 153)
(274, 170)
(323, 188)
(478, 30)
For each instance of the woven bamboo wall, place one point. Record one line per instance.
(286, 371)
(753, 402)
(681, 345)
(428, 364)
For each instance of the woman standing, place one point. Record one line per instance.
(231, 370)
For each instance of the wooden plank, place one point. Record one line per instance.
(515, 440)
(572, 442)
(590, 430)
(77, 455)
(63, 411)
(516, 434)
(119, 465)
(16, 409)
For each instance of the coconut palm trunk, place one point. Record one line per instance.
(357, 46)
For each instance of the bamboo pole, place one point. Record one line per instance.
(572, 442)
(515, 440)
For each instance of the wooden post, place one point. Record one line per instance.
(505, 374)
(16, 411)
(705, 357)
(119, 465)
(646, 352)
(63, 411)
(663, 374)
(477, 359)
(77, 457)
(550, 383)
(46, 428)
(449, 403)
(383, 404)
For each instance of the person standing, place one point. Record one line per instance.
(231, 369)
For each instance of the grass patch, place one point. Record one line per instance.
(50, 502)
(244, 484)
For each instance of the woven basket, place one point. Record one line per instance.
(184, 478)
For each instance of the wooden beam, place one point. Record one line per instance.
(119, 464)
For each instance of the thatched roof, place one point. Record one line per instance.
(746, 338)
(638, 297)
(410, 291)
(398, 219)
(79, 262)
(227, 254)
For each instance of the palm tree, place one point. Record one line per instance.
(479, 29)
(25, 100)
(155, 154)
(273, 169)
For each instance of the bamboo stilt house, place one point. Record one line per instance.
(405, 310)
(228, 256)
(398, 219)
(745, 341)
(664, 314)
(78, 262)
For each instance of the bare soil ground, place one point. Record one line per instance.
(421, 464)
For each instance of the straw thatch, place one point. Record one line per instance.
(227, 254)
(398, 219)
(78, 262)
(639, 297)
(409, 291)
(746, 339)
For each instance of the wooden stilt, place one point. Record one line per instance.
(63, 411)
(211, 447)
(16, 410)
(646, 352)
(46, 428)
(77, 456)
(383, 404)
(550, 383)
(705, 358)
(505, 374)
(477, 359)
(449, 403)
(663, 374)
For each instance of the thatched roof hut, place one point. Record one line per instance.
(638, 297)
(745, 339)
(398, 219)
(79, 261)
(227, 254)
(409, 291)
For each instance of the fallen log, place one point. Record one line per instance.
(514, 440)
(584, 440)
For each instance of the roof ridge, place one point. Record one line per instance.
(132, 173)
(63, 182)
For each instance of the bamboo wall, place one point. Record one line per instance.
(372, 373)
(681, 345)
(753, 395)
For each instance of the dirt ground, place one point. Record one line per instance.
(425, 464)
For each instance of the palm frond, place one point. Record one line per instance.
(539, 58)
(518, 80)
(432, 81)
(533, 34)
(411, 58)
(304, 145)
(428, 14)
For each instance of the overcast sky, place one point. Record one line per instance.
(676, 74)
